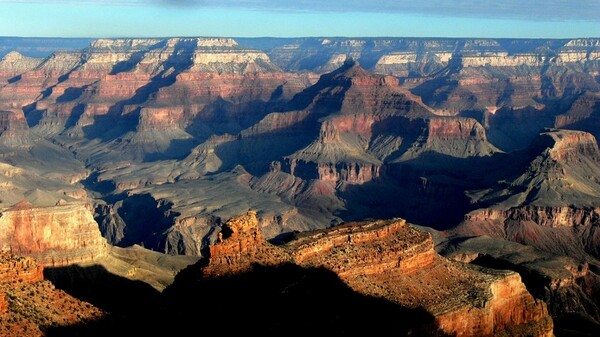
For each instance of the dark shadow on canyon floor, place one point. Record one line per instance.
(283, 300)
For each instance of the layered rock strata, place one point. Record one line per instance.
(393, 260)
(55, 236)
(552, 205)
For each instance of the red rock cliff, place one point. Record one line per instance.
(55, 236)
(393, 260)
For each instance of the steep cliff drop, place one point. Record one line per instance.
(390, 260)
(55, 236)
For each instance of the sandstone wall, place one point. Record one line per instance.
(55, 236)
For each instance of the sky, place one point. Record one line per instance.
(294, 18)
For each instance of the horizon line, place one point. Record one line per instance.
(299, 37)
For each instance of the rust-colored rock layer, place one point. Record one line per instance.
(395, 261)
(56, 236)
(29, 304)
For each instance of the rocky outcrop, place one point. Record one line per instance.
(19, 269)
(350, 173)
(512, 308)
(55, 236)
(29, 305)
(413, 251)
(393, 260)
(568, 147)
(239, 246)
(567, 286)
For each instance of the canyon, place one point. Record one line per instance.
(137, 157)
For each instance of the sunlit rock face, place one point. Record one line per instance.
(393, 260)
(55, 236)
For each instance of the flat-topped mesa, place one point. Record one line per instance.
(18, 268)
(331, 157)
(55, 236)
(398, 262)
(114, 45)
(353, 172)
(204, 42)
(567, 145)
(368, 248)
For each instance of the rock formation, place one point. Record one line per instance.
(20, 269)
(551, 205)
(55, 236)
(14, 131)
(13, 64)
(393, 260)
(568, 287)
(30, 306)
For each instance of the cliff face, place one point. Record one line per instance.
(55, 236)
(456, 137)
(391, 259)
(14, 131)
(568, 230)
(568, 287)
(166, 132)
(551, 205)
(356, 104)
(510, 310)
